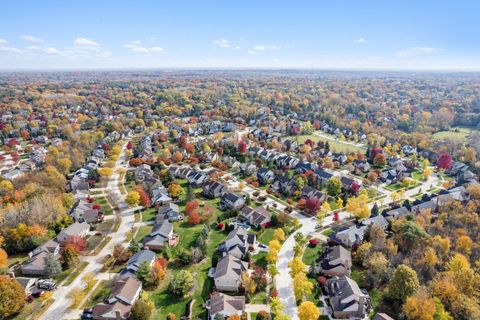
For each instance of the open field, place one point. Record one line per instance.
(457, 133)
(335, 145)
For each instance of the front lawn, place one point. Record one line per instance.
(142, 232)
(101, 292)
(266, 236)
(312, 253)
(149, 214)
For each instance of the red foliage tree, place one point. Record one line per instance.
(96, 207)
(163, 262)
(445, 161)
(191, 206)
(135, 162)
(313, 205)
(242, 147)
(321, 280)
(193, 218)
(190, 148)
(12, 142)
(336, 216)
(79, 243)
(129, 146)
(145, 200)
(309, 142)
(355, 187)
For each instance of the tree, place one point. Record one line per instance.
(3, 258)
(308, 311)
(262, 315)
(175, 190)
(12, 298)
(313, 205)
(193, 218)
(177, 156)
(141, 310)
(242, 147)
(358, 206)
(70, 255)
(380, 160)
(444, 161)
(142, 272)
(105, 172)
(6, 187)
(404, 283)
(419, 306)
(52, 265)
(334, 186)
(279, 234)
(248, 283)
(296, 266)
(133, 197)
(144, 198)
(133, 247)
(302, 286)
(182, 283)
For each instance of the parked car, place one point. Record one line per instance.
(88, 310)
(46, 284)
(86, 316)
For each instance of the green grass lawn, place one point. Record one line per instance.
(149, 214)
(266, 236)
(260, 297)
(101, 245)
(104, 206)
(101, 292)
(311, 254)
(73, 275)
(142, 232)
(335, 145)
(17, 258)
(457, 133)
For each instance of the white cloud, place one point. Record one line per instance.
(263, 47)
(361, 40)
(9, 49)
(417, 51)
(251, 52)
(222, 43)
(46, 50)
(136, 46)
(3, 41)
(84, 42)
(32, 39)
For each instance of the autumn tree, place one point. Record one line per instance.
(308, 311)
(358, 206)
(175, 190)
(302, 287)
(279, 234)
(177, 156)
(12, 298)
(419, 306)
(133, 197)
(334, 186)
(105, 172)
(444, 161)
(404, 283)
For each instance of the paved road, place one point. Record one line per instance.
(60, 308)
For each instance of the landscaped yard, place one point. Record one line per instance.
(142, 232)
(335, 145)
(312, 253)
(17, 258)
(266, 236)
(104, 206)
(457, 133)
(149, 214)
(101, 292)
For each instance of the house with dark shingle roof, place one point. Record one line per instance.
(346, 298)
(118, 306)
(213, 189)
(228, 272)
(335, 261)
(162, 235)
(231, 201)
(255, 216)
(221, 304)
(135, 261)
(239, 242)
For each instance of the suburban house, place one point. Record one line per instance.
(227, 274)
(350, 236)
(162, 235)
(213, 189)
(28, 284)
(135, 261)
(77, 229)
(265, 176)
(142, 172)
(221, 304)
(231, 201)
(196, 179)
(382, 316)
(360, 166)
(284, 185)
(35, 265)
(346, 298)
(119, 304)
(239, 242)
(160, 196)
(168, 211)
(83, 211)
(322, 176)
(255, 216)
(309, 192)
(335, 261)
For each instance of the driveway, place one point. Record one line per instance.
(60, 308)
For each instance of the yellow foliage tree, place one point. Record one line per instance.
(279, 234)
(419, 306)
(133, 197)
(358, 206)
(105, 172)
(302, 286)
(296, 266)
(308, 311)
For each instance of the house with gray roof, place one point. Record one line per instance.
(335, 261)
(162, 235)
(239, 242)
(255, 216)
(228, 272)
(221, 304)
(346, 298)
(35, 265)
(77, 229)
(135, 261)
(118, 306)
(231, 201)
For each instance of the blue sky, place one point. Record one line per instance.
(104, 34)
